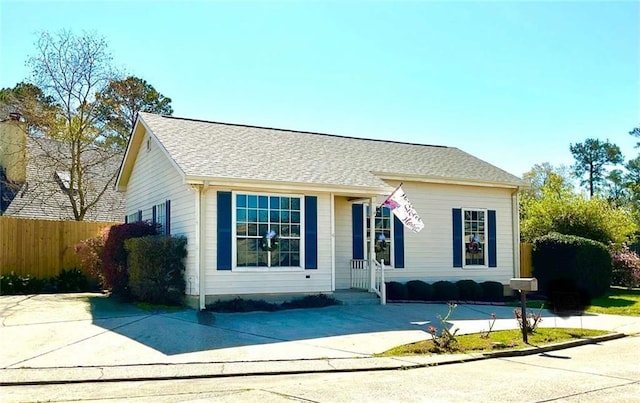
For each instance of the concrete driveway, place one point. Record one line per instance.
(91, 330)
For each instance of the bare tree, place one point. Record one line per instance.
(70, 70)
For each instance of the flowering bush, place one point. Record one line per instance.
(626, 268)
(447, 338)
(532, 320)
(90, 253)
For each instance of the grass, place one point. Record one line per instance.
(497, 340)
(619, 301)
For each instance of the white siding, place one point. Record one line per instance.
(230, 282)
(153, 180)
(429, 254)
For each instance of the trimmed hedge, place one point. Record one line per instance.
(462, 290)
(567, 264)
(445, 291)
(114, 255)
(397, 291)
(492, 291)
(156, 268)
(469, 290)
(418, 290)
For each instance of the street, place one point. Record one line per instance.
(606, 372)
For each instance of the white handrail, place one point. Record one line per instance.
(379, 286)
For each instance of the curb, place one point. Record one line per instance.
(54, 376)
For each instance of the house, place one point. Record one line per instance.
(35, 181)
(232, 190)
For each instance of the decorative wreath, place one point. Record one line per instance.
(473, 247)
(270, 241)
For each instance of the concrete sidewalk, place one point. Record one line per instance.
(88, 337)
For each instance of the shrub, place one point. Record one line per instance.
(72, 280)
(248, 305)
(447, 338)
(418, 290)
(90, 253)
(626, 268)
(492, 291)
(156, 268)
(242, 305)
(397, 291)
(114, 255)
(15, 284)
(469, 290)
(445, 291)
(571, 265)
(310, 301)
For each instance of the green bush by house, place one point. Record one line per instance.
(571, 264)
(156, 268)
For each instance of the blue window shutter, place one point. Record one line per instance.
(357, 223)
(398, 243)
(457, 237)
(310, 232)
(153, 214)
(139, 215)
(224, 231)
(492, 238)
(167, 217)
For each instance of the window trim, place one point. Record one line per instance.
(234, 235)
(486, 239)
(390, 241)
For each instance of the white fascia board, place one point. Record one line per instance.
(447, 181)
(137, 146)
(289, 186)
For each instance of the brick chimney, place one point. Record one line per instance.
(13, 148)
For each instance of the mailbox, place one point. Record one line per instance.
(524, 284)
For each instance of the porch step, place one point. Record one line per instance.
(356, 297)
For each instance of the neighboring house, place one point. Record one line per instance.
(225, 186)
(34, 183)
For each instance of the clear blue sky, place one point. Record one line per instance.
(511, 82)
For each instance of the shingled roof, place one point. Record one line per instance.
(228, 151)
(43, 195)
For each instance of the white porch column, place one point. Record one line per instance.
(372, 240)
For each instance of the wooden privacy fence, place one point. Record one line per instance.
(42, 248)
(526, 266)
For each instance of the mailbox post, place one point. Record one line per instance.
(524, 285)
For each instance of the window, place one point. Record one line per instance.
(258, 215)
(133, 217)
(161, 218)
(474, 237)
(383, 225)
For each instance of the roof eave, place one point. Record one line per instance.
(287, 186)
(447, 180)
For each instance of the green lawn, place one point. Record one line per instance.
(620, 301)
(498, 340)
